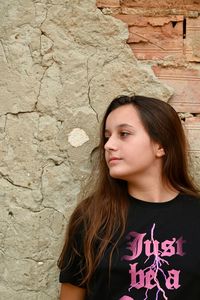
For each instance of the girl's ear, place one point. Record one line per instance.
(160, 151)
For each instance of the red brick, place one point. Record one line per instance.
(156, 38)
(185, 83)
(136, 20)
(131, 20)
(107, 3)
(192, 42)
(161, 21)
(143, 3)
(190, 4)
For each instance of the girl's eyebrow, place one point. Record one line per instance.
(124, 125)
(121, 126)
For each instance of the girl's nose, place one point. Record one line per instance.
(110, 144)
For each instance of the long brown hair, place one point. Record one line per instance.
(103, 212)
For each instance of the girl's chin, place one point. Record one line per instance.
(117, 175)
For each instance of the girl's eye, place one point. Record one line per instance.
(124, 133)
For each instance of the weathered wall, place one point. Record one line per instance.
(164, 36)
(61, 62)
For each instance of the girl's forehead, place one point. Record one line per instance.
(126, 114)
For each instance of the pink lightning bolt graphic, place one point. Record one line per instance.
(156, 266)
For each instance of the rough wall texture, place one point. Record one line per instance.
(61, 62)
(165, 38)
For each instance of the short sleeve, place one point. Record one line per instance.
(74, 263)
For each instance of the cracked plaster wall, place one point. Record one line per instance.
(61, 63)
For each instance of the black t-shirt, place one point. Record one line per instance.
(157, 259)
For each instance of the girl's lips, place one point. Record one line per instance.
(113, 159)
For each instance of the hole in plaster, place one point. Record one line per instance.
(10, 213)
(174, 23)
(184, 28)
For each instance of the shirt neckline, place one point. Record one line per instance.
(145, 203)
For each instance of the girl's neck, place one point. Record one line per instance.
(156, 191)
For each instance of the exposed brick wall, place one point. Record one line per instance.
(165, 36)
(186, 5)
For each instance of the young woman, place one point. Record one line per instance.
(136, 234)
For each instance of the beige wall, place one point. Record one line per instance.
(61, 62)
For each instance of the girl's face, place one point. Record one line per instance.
(129, 151)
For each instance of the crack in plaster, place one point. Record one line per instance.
(18, 113)
(8, 179)
(41, 185)
(5, 124)
(30, 51)
(43, 32)
(46, 12)
(4, 51)
(2, 249)
(42, 190)
(90, 104)
(52, 208)
(116, 57)
(88, 93)
(45, 68)
(40, 87)
(21, 259)
(68, 160)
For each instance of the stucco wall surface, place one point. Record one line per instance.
(61, 63)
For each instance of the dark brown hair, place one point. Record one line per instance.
(102, 213)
